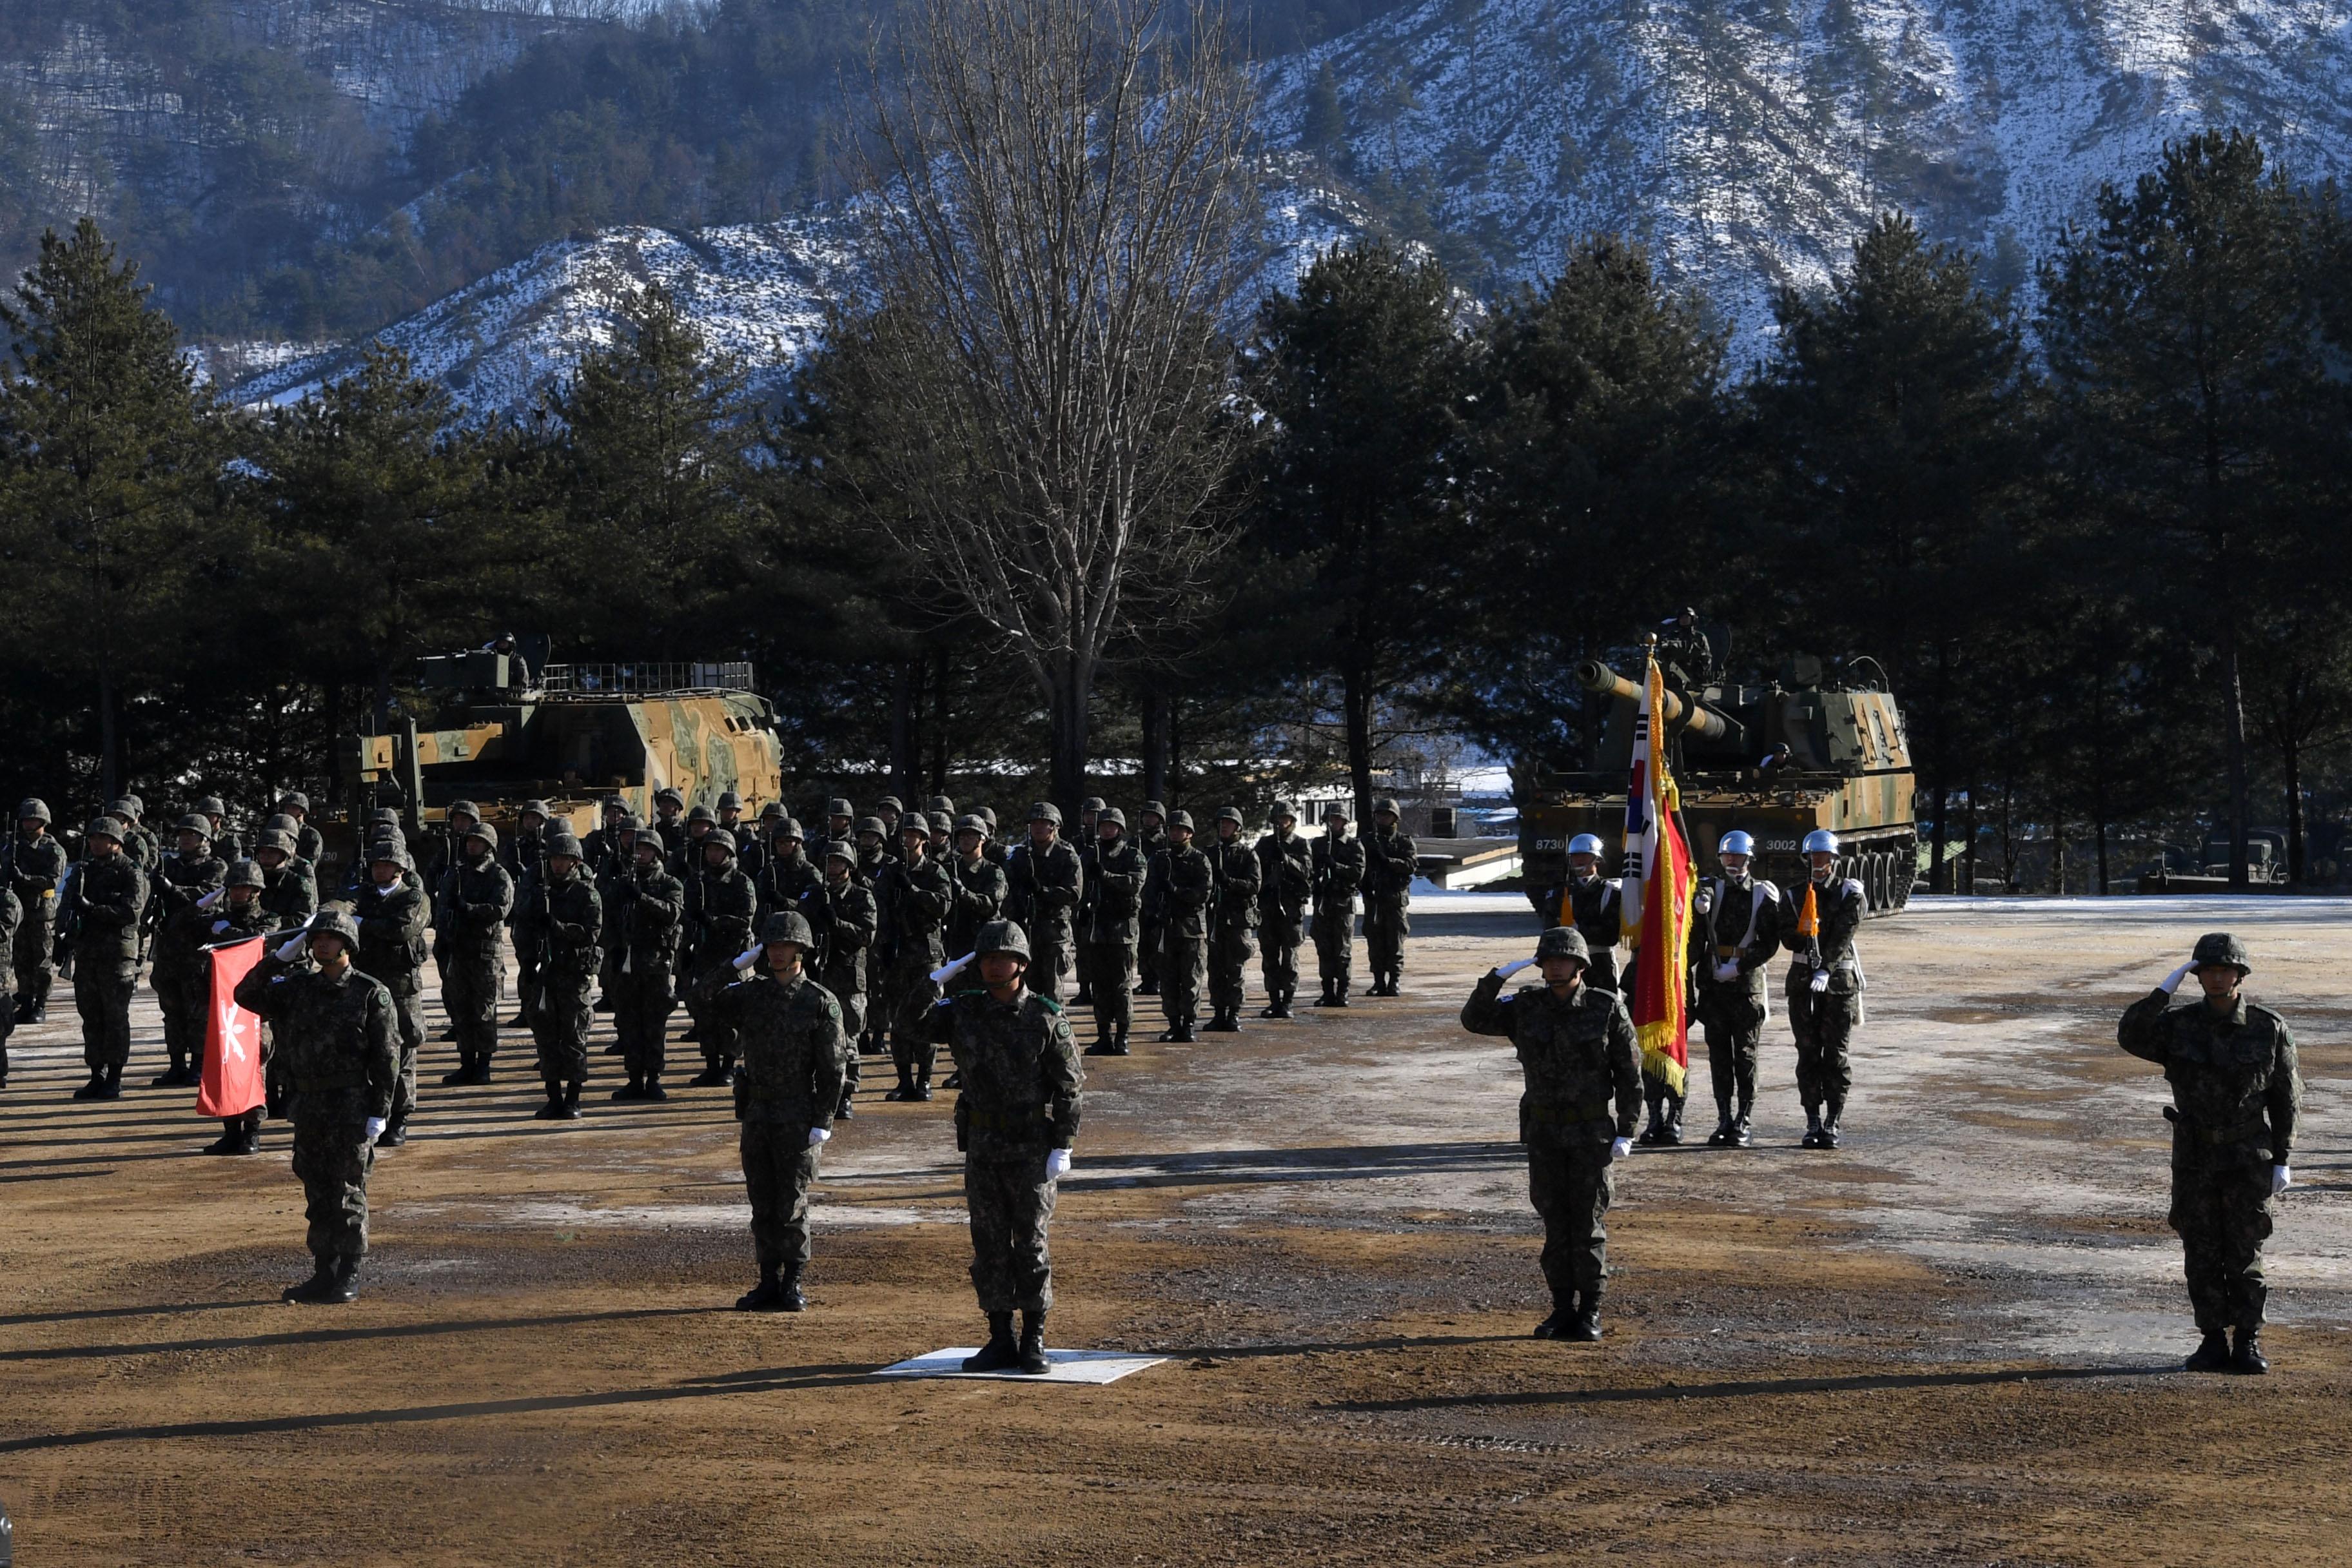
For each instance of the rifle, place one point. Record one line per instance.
(61, 947)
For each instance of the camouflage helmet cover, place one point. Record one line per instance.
(1046, 811)
(483, 831)
(1183, 819)
(33, 810)
(245, 874)
(193, 824)
(109, 828)
(719, 839)
(1232, 814)
(1002, 936)
(1113, 816)
(2222, 947)
(787, 925)
(1563, 942)
(337, 924)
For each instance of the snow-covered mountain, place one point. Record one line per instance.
(1747, 142)
(1750, 141)
(757, 291)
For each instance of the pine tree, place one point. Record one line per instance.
(113, 453)
(1362, 375)
(1323, 130)
(2184, 346)
(1896, 423)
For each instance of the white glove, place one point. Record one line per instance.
(2171, 982)
(219, 926)
(943, 975)
(1620, 1147)
(1507, 970)
(1701, 901)
(1728, 970)
(374, 1128)
(288, 951)
(820, 1135)
(1820, 980)
(748, 957)
(1057, 1163)
(209, 900)
(2281, 1179)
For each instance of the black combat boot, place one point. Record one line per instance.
(342, 1281)
(1654, 1132)
(1830, 1124)
(1743, 1136)
(906, 1089)
(1179, 1032)
(2211, 1354)
(1727, 1130)
(463, 1074)
(1329, 998)
(791, 1299)
(1000, 1352)
(1812, 1138)
(712, 1075)
(1033, 1345)
(845, 1108)
(1222, 1022)
(1118, 1048)
(616, 1049)
(553, 1109)
(953, 1080)
(395, 1133)
(633, 1089)
(95, 1089)
(273, 1103)
(654, 1091)
(1673, 1134)
(110, 1084)
(571, 1098)
(2247, 1358)
(1281, 1008)
(1563, 1313)
(1585, 1328)
(232, 1138)
(1106, 1045)
(172, 1076)
(767, 1296)
(922, 1090)
(323, 1279)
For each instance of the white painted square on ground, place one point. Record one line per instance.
(1063, 1367)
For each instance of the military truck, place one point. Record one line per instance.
(1847, 767)
(574, 735)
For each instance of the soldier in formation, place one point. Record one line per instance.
(12, 913)
(110, 901)
(36, 868)
(722, 909)
(391, 909)
(794, 1044)
(1087, 845)
(561, 918)
(1184, 889)
(1338, 869)
(1285, 866)
(1048, 883)
(338, 1033)
(841, 920)
(1150, 838)
(1825, 986)
(2237, 1092)
(1583, 1077)
(183, 948)
(1391, 863)
(642, 911)
(477, 895)
(1015, 1122)
(190, 878)
(1736, 929)
(915, 895)
(1109, 929)
(1234, 873)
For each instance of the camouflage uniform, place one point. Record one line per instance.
(1114, 898)
(787, 874)
(1046, 886)
(308, 845)
(1089, 846)
(1823, 1022)
(1021, 1100)
(794, 1044)
(34, 867)
(1741, 926)
(723, 909)
(1389, 867)
(914, 898)
(643, 911)
(562, 918)
(981, 888)
(1286, 885)
(181, 946)
(179, 883)
(339, 1040)
(110, 897)
(1339, 862)
(1150, 838)
(1233, 926)
(1584, 1073)
(1593, 907)
(523, 854)
(393, 948)
(12, 911)
(477, 897)
(842, 919)
(1185, 886)
(2237, 1094)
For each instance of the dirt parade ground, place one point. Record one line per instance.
(1956, 1338)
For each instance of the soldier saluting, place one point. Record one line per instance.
(1583, 1068)
(1015, 1122)
(2236, 1093)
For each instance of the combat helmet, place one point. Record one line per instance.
(1281, 808)
(785, 828)
(728, 798)
(483, 831)
(969, 822)
(1002, 936)
(295, 798)
(559, 841)
(106, 827)
(1113, 816)
(701, 813)
(276, 838)
(1095, 803)
(1386, 803)
(2222, 947)
(1183, 819)
(196, 825)
(872, 825)
(337, 924)
(245, 874)
(1563, 942)
(842, 851)
(36, 810)
(937, 804)
(281, 823)
(787, 925)
(1232, 814)
(467, 807)
(838, 806)
(1046, 811)
(718, 837)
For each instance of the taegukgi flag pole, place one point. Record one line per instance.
(1654, 908)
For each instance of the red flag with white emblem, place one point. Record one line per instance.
(232, 1084)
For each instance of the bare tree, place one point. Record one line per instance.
(1060, 215)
